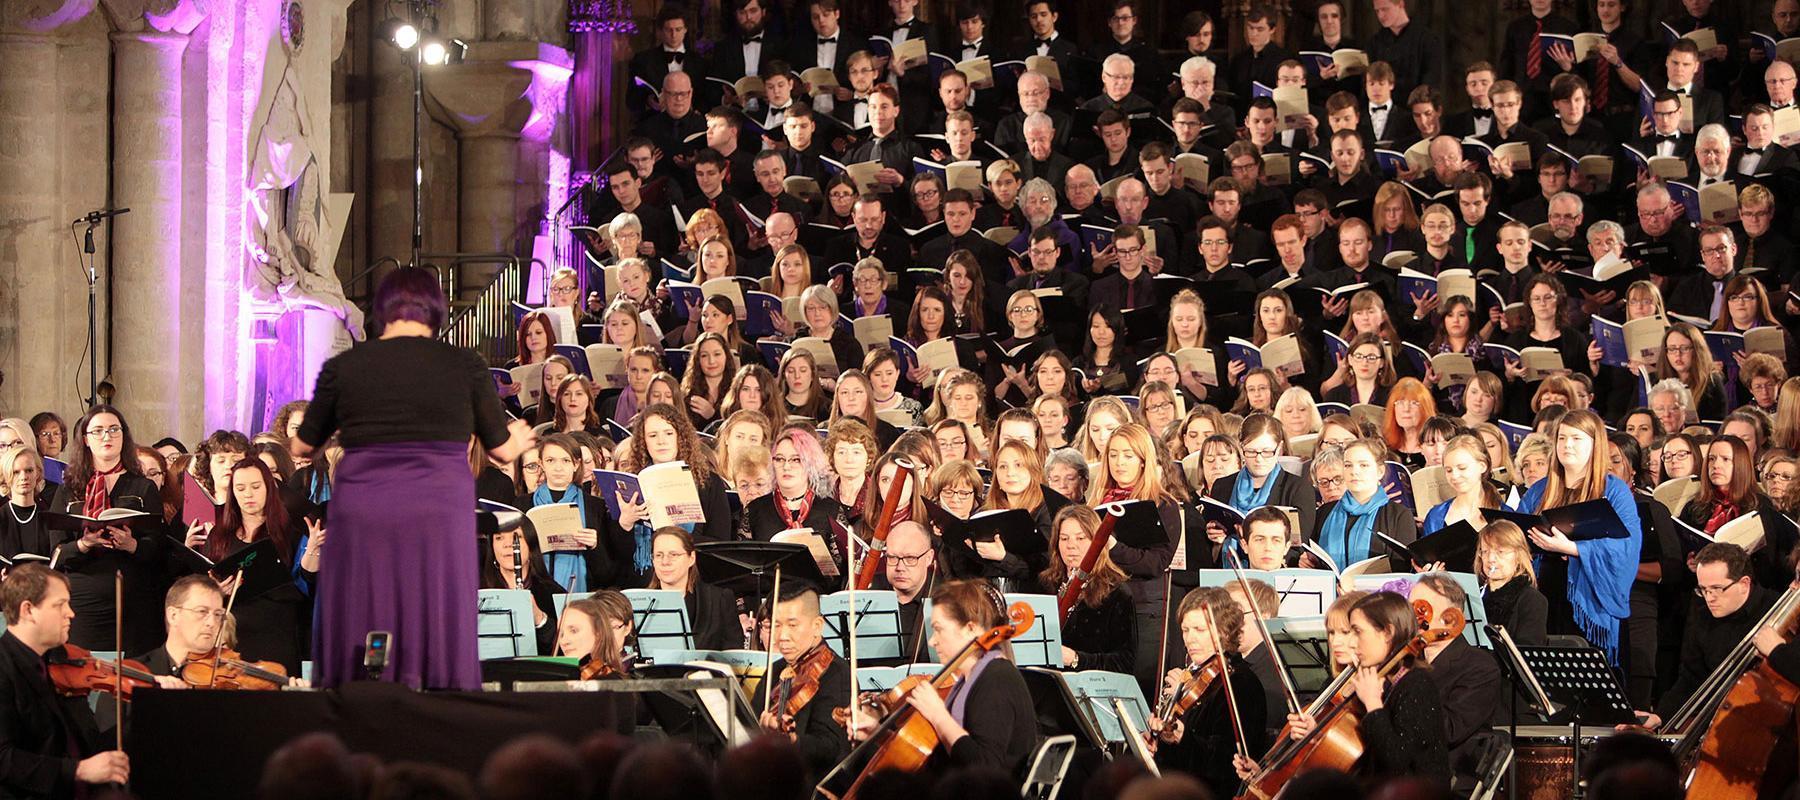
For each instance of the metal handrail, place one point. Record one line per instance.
(485, 324)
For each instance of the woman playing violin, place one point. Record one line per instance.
(1202, 740)
(987, 720)
(1403, 730)
(588, 633)
(812, 681)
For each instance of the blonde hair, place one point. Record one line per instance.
(1504, 535)
(1150, 484)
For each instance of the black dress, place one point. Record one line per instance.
(91, 573)
(271, 626)
(761, 521)
(1406, 735)
(714, 614)
(1209, 740)
(1104, 636)
(22, 530)
(1519, 608)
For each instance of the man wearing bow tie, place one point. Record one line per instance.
(1478, 78)
(671, 54)
(1386, 122)
(742, 53)
(1680, 69)
(1712, 157)
(1045, 40)
(1664, 137)
(1778, 79)
(1760, 155)
(830, 47)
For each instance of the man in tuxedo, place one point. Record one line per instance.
(52, 742)
(1665, 137)
(1680, 69)
(1320, 229)
(829, 46)
(799, 129)
(1426, 110)
(1385, 122)
(798, 631)
(1478, 120)
(742, 52)
(674, 128)
(1759, 155)
(1720, 66)
(1081, 197)
(908, 566)
(1712, 157)
(960, 234)
(1702, 294)
(865, 239)
(1763, 247)
(1305, 134)
(1034, 98)
(670, 54)
(913, 81)
(1118, 74)
(1256, 62)
(1045, 40)
(1507, 129)
(778, 98)
(1126, 25)
(1778, 80)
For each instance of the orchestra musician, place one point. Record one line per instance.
(1100, 631)
(1734, 603)
(1258, 652)
(1468, 679)
(588, 631)
(1203, 740)
(798, 631)
(910, 565)
(49, 744)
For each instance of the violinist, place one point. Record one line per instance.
(1258, 652)
(1734, 604)
(1203, 740)
(813, 681)
(588, 633)
(193, 615)
(1402, 729)
(910, 564)
(988, 719)
(49, 742)
(1468, 679)
(1101, 628)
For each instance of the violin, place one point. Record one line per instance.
(1737, 755)
(596, 669)
(890, 505)
(225, 668)
(1335, 742)
(800, 683)
(904, 740)
(76, 673)
(1071, 589)
(1202, 680)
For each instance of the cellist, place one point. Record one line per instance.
(1203, 740)
(988, 719)
(1402, 731)
(807, 666)
(1467, 678)
(1733, 604)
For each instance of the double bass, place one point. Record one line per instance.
(905, 739)
(1335, 742)
(1747, 750)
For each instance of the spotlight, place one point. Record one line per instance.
(399, 32)
(432, 53)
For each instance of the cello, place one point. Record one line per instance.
(1071, 588)
(905, 739)
(1335, 742)
(1752, 724)
(890, 505)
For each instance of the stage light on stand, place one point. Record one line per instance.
(398, 32)
(438, 52)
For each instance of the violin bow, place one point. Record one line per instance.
(219, 640)
(1162, 650)
(919, 635)
(850, 622)
(1287, 683)
(1237, 723)
(769, 677)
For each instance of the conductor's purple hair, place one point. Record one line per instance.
(410, 293)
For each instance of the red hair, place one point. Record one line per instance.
(1406, 389)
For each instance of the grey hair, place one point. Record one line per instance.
(1120, 61)
(623, 221)
(1675, 387)
(1038, 187)
(1653, 189)
(1038, 119)
(1068, 457)
(1606, 226)
(1201, 64)
(1713, 132)
(1569, 196)
(821, 294)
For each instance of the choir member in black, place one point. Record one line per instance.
(663, 434)
(103, 474)
(269, 625)
(1346, 527)
(802, 498)
(1733, 605)
(509, 560)
(1403, 729)
(1100, 631)
(1525, 60)
(866, 239)
(1687, 357)
(1509, 584)
(1132, 470)
(51, 742)
(22, 530)
(1252, 598)
(588, 563)
(1414, 51)
(797, 632)
(1262, 481)
(1204, 740)
(1728, 491)
(988, 719)
(1468, 679)
(711, 610)
(595, 630)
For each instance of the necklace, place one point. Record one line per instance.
(15, 514)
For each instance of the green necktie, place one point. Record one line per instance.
(1469, 246)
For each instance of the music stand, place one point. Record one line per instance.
(1564, 686)
(1304, 648)
(1048, 768)
(504, 616)
(661, 620)
(877, 624)
(754, 569)
(1041, 646)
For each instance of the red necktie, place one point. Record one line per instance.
(1602, 83)
(1534, 59)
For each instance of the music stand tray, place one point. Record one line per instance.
(662, 620)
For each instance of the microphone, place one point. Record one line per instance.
(105, 213)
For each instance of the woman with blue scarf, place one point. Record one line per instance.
(1466, 467)
(1346, 528)
(663, 434)
(1262, 481)
(1597, 598)
(576, 571)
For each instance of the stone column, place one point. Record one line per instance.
(145, 274)
(34, 248)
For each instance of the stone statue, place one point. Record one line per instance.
(293, 224)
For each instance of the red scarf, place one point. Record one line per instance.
(96, 500)
(791, 519)
(1723, 511)
(1115, 494)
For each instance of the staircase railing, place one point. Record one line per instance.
(485, 323)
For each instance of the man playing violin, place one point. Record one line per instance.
(807, 666)
(193, 613)
(48, 743)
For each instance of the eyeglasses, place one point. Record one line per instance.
(1709, 592)
(532, 468)
(1157, 408)
(1715, 250)
(906, 561)
(1366, 358)
(1746, 297)
(1679, 349)
(51, 433)
(1128, 251)
(1328, 483)
(1679, 455)
(217, 614)
(1022, 310)
(785, 461)
(956, 494)
(562, 290)
(112, 432)
(1259, 452)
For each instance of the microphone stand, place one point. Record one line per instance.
(93, 331)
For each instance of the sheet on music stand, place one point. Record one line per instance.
(1304, 650)
(1041, 645)
(1303, 592)
(503, 624)
(877, 624)
(1095, 690)
(662, 620)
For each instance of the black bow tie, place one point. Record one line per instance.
(1382, 108)
(1042, 42)
(967, 45)
(1755, 151)
(1681, 91)
(673, 56)
(828, 40)
(753, 39)
(1481, 113)
(1668, 137)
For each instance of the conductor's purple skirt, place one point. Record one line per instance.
(401, 557)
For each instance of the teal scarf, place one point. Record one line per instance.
(1345, 542)
(569, 570)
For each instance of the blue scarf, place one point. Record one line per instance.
(1340, 538)
(569, 570)
(1245, 497)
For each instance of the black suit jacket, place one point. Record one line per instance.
(652, 66)
(821, 740)
(38, 727)
(803, 52)
(728, 55)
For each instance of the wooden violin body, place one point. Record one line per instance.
(227, 669)
(800, 681)
(1202, 681)
(76, 673)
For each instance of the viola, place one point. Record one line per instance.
(1738, 755)
(800, 682)
(75, 672)
(225, 668)
(904, 740)
(1335, 741)
(890, 505)
(596, 669)
(1071, 590)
